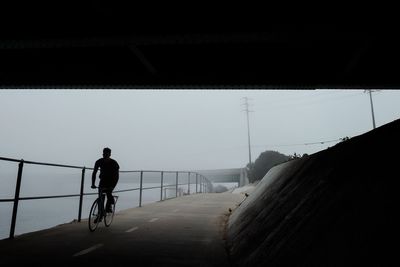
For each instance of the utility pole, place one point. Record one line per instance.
(372, 108)
(246, 104)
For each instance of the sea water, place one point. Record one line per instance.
(37, 180)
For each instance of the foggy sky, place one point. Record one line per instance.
(181, 129)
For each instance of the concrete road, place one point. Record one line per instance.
(186, 231)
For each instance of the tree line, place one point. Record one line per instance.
(267, 159)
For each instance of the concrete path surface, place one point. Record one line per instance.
(186, 231)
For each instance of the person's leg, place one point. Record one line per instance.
(103, 199)
(100, 209)
(109, 185)
(110, 200)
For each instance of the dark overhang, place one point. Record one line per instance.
(102, 46)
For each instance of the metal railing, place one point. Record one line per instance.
(203, 185)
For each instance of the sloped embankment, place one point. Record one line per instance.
(333, 208)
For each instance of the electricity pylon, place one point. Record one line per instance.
(246, 104)
(372, 107)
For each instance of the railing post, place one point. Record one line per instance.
(81, 194)
(197, 178)
(188, 183)
(141, 188)
(162, 183)
(176, 189)
(16, 199)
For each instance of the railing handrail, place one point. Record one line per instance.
(85, 194)
(41, 163)
(81, 167)
(203, 182)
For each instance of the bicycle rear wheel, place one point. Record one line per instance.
(94, 216)
(110, 215)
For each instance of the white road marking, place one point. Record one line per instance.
(153, 220)
(83, 252)
(132, 229)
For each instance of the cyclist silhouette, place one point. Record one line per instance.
(109, 175)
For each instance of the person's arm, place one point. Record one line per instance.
(96, 168)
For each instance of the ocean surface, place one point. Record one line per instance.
(34, 215)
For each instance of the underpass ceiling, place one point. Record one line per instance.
(113, 46)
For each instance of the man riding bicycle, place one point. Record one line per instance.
(109, 175)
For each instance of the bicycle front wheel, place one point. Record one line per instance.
(94, 216)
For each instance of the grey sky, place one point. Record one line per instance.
(181, 129)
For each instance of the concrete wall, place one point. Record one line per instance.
(244, 179)
(337, 207)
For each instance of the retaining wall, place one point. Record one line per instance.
(337, 207)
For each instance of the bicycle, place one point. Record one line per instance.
(96, 215)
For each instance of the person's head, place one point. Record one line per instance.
(106, 152)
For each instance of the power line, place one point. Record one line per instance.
(270, 145)
(304, 144)
(308, 102)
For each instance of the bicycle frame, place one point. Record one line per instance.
(101, 212)
(102, 195)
